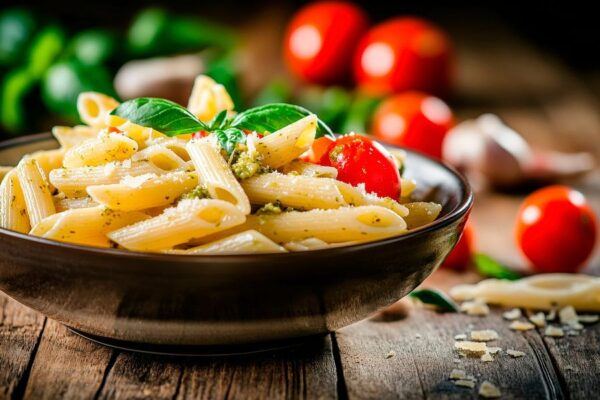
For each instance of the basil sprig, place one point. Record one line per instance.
(435, 298)
(488, 267)
(272, 117)
(159, 114)
(229, 138)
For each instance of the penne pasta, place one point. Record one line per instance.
(73, 182)
(421, 213)
(208, 98)
(105, 148)
(13, 211)
(282, 147)
(49, 160)
(216, 176)
(176, 145)
(160, 156)
(4, 171)
(333, 226)
(313, 244)
(190, 219)
(241, 243)
(69, 137)
(356, 196)
(38, 200)
(63, 203)
(87, 226)
(93, 108)
(144, 191)
(295, 191)
(309, 169)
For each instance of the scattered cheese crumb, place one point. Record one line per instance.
(551, 315)
(554, 331)
(494, 350)
(137, 181)
(489, 391)
(487, 357)
(484, 335)
(418, 336)
(471, 348)
(515, 353)
(456, 361)
(458, 374)
(521, 326)
(538, 319)
(513, 314)
(588, 319)
(391, 354)
(568, 316)
(460, 336)
(573, 333)
(475, 307)
(464, 383)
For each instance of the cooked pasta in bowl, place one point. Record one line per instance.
(256, 222)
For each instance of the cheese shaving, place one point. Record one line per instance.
(521, 326)
(484, 335)
(489, 391)
(515, 353)
(471, 348)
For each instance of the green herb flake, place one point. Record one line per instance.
(435, 298)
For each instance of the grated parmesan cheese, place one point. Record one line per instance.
(488, 390)
(568, 316)
(588, 319)
(457, 374)
(494, 350)
(137, 181)
(391, 354)
(554, 331)
(538, 319)
(515, 353)
(460, 336)
(521, 326)
(475, 307)
(471, 348)
(464, 383)
(487, 357)
(513, 314)
(484, 335)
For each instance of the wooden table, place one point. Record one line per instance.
(380, 358)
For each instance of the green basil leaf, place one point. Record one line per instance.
(219, 121)
(162, 115)
(491, 268)
(229, 138)
(435, 298)
(272, 117)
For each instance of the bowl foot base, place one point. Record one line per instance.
(199, 351)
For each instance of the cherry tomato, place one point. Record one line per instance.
(556, 229)
(415, 120)
(320, 41)
(200, 134)
(460, 257)
(360, 160)
(404, 53)
(318, 150)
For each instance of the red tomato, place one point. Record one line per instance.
(404, 53)
(318, 150)
(360, 160)
(415, 120)
(460, 257)
(200, 134)
(321, 39)
(556, 229)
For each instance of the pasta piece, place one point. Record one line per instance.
(93, 108)
(13, 211)
(160, 156)
(421, 213)
(407, 187)
(4, 171)
(214, 173)
(208, 98)
(333, 226)
(87, 226)
(309, 169)
(63, 203)
(399, 156)
(176, 145)
(287, 144)
(242, 243)
(190, 219)
(141, 134)
(357, 196)
(144, 191)
(49, 159)
(105, 148)
(36, 192)
(72, 136)
(313, 244)
(296, 191)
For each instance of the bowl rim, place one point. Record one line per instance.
(463, 207)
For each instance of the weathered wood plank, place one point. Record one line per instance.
(424, 357)
(306, 372)
(66, 366)
(20, 331)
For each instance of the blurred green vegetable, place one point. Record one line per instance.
(45, 49)
(17, 27)
(436, 298)
(63, 82)
(278, 90)
(359, 114)
(15, 88)
(491, 268)
(155, 32)
(223, 71)
(93, 47)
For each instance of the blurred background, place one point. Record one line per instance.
(406, 72)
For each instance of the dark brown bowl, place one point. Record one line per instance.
(229, 299)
